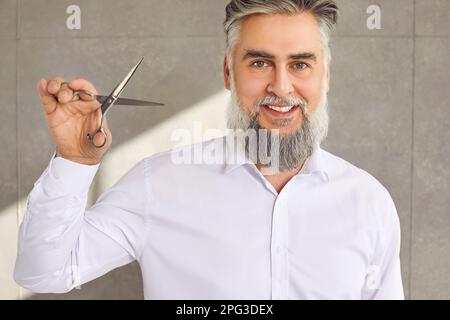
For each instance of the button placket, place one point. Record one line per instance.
(279, 244)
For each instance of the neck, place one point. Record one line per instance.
(280, 179)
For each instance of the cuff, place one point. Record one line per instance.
(63, 176)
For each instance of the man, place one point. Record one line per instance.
(318, 228)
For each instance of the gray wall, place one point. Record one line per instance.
(389, 108)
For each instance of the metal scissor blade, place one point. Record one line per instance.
(129, 102)
(118, 89)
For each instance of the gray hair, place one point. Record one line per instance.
(325, 11)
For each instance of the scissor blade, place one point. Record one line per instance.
(129, 102)
(119, 88)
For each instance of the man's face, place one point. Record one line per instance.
(279, 56)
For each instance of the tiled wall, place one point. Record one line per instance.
(389, 100)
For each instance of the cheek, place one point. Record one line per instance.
(310, 90)
(249, 90)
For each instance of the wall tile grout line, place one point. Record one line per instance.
(125, 37)
(412, 156)
(17, 125)
(220, 37)
(66, 37)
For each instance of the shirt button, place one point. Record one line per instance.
(279, 250)
(56, 175)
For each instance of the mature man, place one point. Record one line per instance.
(318, 228)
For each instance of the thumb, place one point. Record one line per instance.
(108, 132)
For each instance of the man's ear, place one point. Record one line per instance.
(226, 73)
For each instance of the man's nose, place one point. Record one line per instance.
(281, 84)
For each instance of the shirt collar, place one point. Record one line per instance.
(316, 163)
(236, 157)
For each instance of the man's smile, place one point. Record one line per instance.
(280, 111)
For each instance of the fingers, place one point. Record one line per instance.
(83, 107)
(54, 84)
(65, 93)
(48, 100)
(55, 90)
(85, 95)
(59, 89)
(82, 84)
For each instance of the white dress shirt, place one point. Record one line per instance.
(215, 231)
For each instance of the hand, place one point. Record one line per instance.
(70, 117)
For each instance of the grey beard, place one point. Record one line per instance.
(294, 148)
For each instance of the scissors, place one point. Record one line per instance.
(108, 101)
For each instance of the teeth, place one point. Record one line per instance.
(281, 109)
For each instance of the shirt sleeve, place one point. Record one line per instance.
(62, 245)
(384, 280)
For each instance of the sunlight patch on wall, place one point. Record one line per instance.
(208, 114)
(8, 239)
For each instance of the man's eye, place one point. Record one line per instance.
(300, 66)
(259, 64)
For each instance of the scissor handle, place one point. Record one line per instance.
(92, 95)
(91, 137)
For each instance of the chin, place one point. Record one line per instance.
(284, 130)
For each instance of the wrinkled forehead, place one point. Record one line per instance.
(280, 34)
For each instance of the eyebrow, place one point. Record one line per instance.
(262, 54)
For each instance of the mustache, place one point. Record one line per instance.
(290, 101)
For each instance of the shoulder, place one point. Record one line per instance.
(341, 169)
(364, 186)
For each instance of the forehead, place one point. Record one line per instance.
(280, 34)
